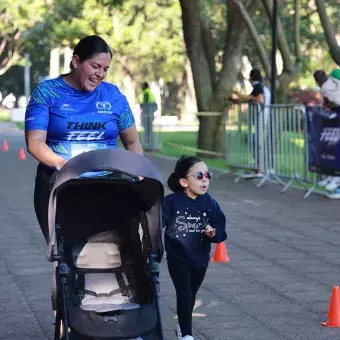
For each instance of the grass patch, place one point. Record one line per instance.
(4, 115)
(20, 125)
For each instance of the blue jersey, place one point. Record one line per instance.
(78, 121)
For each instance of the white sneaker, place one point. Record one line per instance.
(325, 181)
(251, 176)
(334, 195)
(333, 184)
(178, 332)
(188, 337)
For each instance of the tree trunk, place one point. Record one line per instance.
(285, 79)
(212, 90)
(334, 48)
(200, 69)
(235, 40)
(199, 64)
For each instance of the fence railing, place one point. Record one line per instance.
(151, 133)
(261, 141)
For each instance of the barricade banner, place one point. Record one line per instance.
(323, 141)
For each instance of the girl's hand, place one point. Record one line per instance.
(209, 231)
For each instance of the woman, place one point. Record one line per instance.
(73, 113)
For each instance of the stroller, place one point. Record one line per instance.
(105, 235)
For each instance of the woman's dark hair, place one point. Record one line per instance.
(90, 46)
(182, 168)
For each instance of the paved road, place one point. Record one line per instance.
(284, 261)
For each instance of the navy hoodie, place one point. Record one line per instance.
(185, 219)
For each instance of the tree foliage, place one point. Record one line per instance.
(18, 20)
(143, 45)
(154, 40)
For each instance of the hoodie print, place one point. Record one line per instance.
(187, 223)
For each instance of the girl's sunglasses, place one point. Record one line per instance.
(200, 175)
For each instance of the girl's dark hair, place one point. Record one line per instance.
(89, 46)
(182, 168)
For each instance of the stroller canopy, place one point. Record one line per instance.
(133, 196)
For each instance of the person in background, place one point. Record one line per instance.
(148, 96)
(261, 93)
(330, 183)
(149, 107)
(262, 152)
(321, 78)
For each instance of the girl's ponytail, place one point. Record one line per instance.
(173, 182)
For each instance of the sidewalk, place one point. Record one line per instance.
(284, 261)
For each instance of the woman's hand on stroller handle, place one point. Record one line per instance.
(61, 164)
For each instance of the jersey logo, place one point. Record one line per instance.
(104, 107)
(66, 107)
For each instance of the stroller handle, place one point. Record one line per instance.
(109, 174)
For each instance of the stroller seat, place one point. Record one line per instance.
(102, 292)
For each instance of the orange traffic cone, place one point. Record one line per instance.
(4, 146)
(221, 253)
(333, 318)
(21, 154)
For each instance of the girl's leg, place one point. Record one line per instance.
(180, 276)
(197, 277)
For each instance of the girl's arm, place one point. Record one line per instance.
(218, 222)
(165, 212)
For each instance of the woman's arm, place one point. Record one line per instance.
(37, 147)
(130, 139)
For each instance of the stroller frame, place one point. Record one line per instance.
(129, 164)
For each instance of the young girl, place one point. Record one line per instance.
(193, 219)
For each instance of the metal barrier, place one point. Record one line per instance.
(267, 142)
(244, 139)
(277, 139)
(284, 143)
(289, 143)
(151, 133)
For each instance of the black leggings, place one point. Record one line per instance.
(43, 185)
(187, 281)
